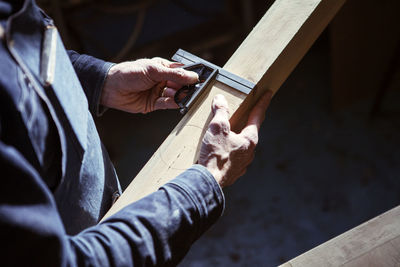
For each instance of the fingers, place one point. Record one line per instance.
(170, 71)
(165, 103)
(220, 122)
(167, 63)
(220, 106)
(174, 85)
(257, 114)
(256, 117)
(179, 75)
(168, 92)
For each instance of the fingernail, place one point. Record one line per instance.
(193, 75)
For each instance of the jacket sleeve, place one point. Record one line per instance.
(92, 73)
(157, 230)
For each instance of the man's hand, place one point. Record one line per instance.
(145, 85)
(227, 154)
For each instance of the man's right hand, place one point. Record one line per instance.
(227, 154)
(145, 85)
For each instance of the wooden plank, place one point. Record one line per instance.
(374, 243)
(266, 57)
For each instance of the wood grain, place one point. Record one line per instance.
(374, 243)
(267, 57)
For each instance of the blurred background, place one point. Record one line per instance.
(329, 152)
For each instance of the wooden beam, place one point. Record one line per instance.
(267, 57)
(374, 243)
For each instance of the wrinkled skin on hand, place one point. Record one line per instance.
(145, 85)
(227, 154)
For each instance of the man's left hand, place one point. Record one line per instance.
(145, 85)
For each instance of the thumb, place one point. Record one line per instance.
(220, 121)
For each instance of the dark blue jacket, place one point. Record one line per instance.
(56, 178)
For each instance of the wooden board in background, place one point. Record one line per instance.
(374, 243)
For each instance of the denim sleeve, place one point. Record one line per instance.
(154, 231)
(92, 73)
